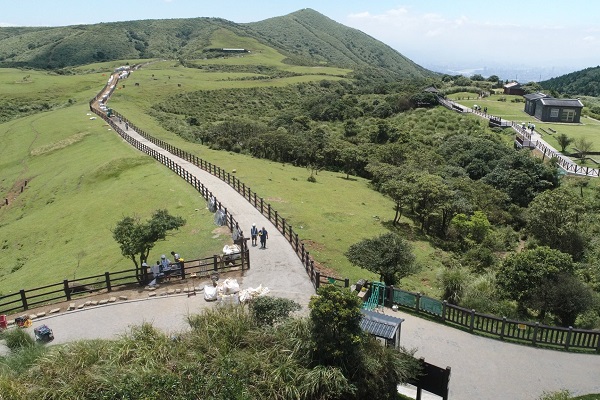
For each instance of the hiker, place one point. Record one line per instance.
(165, 263)
(178, 260)
(254, 234)
(263, 238)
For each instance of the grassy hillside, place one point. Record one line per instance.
(305, 37)
(309, 35)
(584, 83)
(81, 179)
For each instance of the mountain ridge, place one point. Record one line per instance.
(306, 37)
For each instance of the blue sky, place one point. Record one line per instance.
(459, 34)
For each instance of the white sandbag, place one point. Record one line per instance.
(249, 294)
(230, 286)
(210, 293)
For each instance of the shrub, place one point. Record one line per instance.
(271, 310)
(17, 339)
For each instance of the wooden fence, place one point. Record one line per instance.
(109, 281)
(531, 333)
(281, 224)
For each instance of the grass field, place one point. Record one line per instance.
(83, 179)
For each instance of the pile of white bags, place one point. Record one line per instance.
(249, 294)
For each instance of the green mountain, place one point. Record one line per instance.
(305, 37)
(309, 35)
(583, 83)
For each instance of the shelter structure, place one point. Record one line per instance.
(548, 109)
(514, 88)
(382, 326)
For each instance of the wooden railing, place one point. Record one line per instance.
(281, 224)
(66, 290)
(532, 333)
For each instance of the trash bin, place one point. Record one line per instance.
(3, 323)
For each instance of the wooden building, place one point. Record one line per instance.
(514, 88)
(548, 109)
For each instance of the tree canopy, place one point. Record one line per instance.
(137, 238)
(388, 255)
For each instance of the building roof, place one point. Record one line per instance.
(431, 89)
(535, 96)
(561, 102)
(380, 325)
(512, 85)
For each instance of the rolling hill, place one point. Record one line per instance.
(305, 37)
(584, 83)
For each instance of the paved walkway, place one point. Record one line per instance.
(481, 368)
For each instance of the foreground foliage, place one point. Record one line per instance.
(226, 355)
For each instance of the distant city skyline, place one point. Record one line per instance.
(520, 40)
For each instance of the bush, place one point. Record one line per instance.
(271, 310)
(17, 339)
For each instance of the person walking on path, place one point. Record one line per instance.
(264, 235)
(254, 234)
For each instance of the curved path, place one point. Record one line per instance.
(481, 368)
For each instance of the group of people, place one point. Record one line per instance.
(255, 233)
(164, 268)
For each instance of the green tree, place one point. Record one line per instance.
(399, 190)
(336, 332)
(584, 146)
(137, 238)
(430, 194)
(567, 297)
(352, 159)
(553, 218)
(388, 255)
(563, 141)
(528, 276)
(522, 177)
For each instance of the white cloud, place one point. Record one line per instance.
(433, 37)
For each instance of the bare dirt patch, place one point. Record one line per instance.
(15, 191)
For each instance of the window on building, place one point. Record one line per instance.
(554, 112)
(568, 115)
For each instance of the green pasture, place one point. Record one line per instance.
(81, 179)
(159, 81)
(41, 85)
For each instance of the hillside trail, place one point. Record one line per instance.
(482, 368)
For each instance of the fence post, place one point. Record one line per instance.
(276, 220)
(535, 332)
(296, 242)
(418, 302)
(472, 322)
(215, 263)
(346, 282)
(317, 279)
(502, 328)
(283, 227)
(26, 306)
(269, 207)
(66, 289)
(107, 280)
(261, 205)
(568, 341)
(444, 304)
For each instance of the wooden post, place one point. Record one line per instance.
(276, 220)
(317, 280)
(24, 300)
(107, 280)
(215, 263)
(346, 282)
(472, 322)
(568, 341)
(444, 305)
(535, 331)
(502, 328)
(66, 289)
